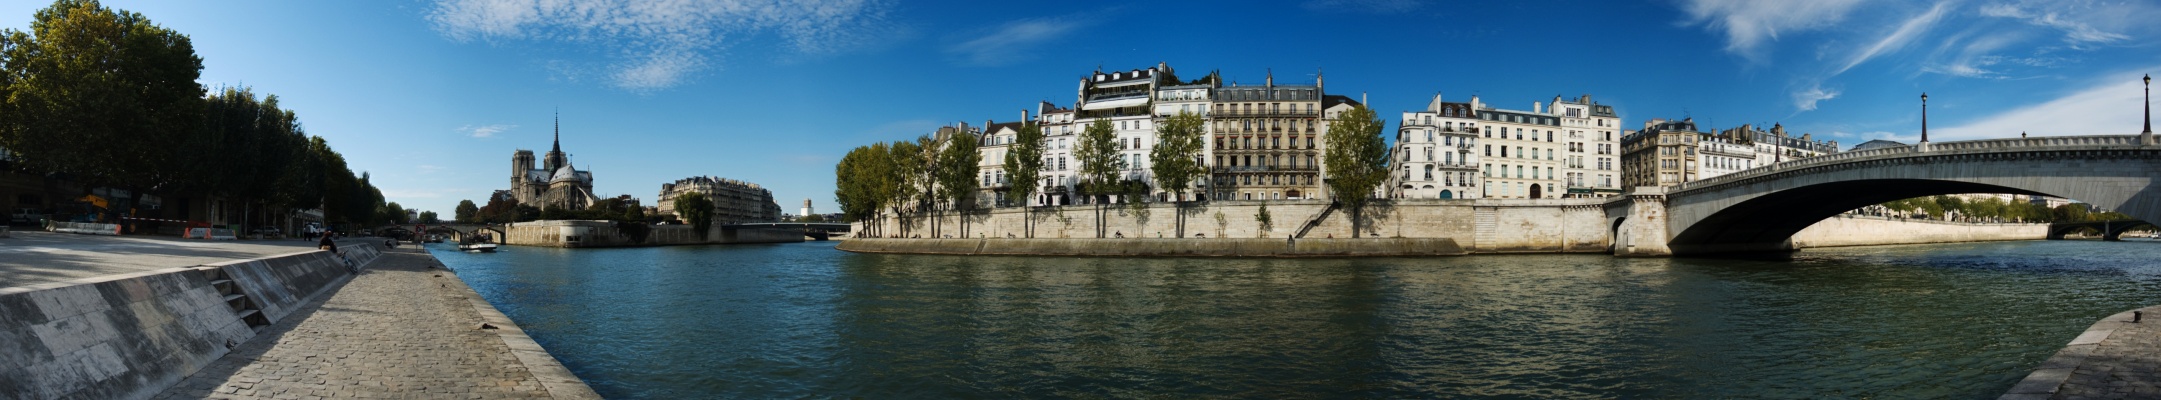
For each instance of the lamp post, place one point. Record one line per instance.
(2146, 136)
(1924, 117)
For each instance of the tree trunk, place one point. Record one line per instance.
(1355, 210)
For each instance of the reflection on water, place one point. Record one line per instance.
(796, 320)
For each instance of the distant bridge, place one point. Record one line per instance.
(2110, 230)
(1760, 209)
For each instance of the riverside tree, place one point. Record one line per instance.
(1176, 159)
(101, 96)
(957, 169)
(467, 212)
(905, 162)
(1097, 152)
(1024, 165)
(695, 209)
(1357, 160)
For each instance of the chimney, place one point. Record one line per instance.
(1271, 77)
(1537, 108)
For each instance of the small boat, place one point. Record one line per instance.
(477, 247)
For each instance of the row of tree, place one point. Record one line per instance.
(936, 173)
(104, 98)
(1996, 209)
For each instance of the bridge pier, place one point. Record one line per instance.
(1640, 229)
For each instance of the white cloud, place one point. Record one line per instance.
(1805, 99)
(485, 131)
(660, 44)
(1898, 38)
(1010, 43)
(2054, 14)
(2107, 107)
(1748, 24)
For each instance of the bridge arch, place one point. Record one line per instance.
(1760, 209)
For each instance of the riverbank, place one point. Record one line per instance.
(1843, 231)
(138, 333)
(577, 233)
(2116, 358)
(1370, 247)
(404, 327)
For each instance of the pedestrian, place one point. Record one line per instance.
(326, 243)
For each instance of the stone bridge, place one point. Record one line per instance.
(2110, 230)
(1759, 210)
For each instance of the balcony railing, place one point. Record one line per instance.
(1263, 168)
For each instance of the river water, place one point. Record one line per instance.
(806, 320)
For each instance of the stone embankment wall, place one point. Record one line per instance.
(1872, 231)
(1476, 226)
(131, 336)
(607, 234)
(1375, 247)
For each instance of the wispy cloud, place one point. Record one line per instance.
(2106, 107)
(656, 45)
(1896, 39)
(1806, 99)
(1013, 41)
(1748, 24)
(485, 131)
(2076, 29)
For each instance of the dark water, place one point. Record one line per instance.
(805, 320)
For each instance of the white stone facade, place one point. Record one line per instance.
(1435, 153)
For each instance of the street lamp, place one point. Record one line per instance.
(1924, 117)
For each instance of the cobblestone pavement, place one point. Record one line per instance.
(2126, 364)
(398, 330)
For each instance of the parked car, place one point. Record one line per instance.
(266, 231)
(26, 216)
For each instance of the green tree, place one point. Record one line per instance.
(429, 217)
(812, 218)
(1267, 222)
(467, 212)
(1024, 165)
(957, 169)
(696, 210)
(899, 186)
(1357, 160)
(393, 213)
(2073, 212)
(101, 96)
(1097, 152)
(1176, 159)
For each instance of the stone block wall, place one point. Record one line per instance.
(132, 336)
(1871, 231)
(1558, 225)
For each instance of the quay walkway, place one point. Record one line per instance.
(33, 257)
(402, 328)
(2114, 359)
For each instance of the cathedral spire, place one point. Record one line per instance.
(558, 132)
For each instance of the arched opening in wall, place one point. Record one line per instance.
(1767, 222)
(1535, 192)
(1448, 194)
(1293, 194)
(1621, 238)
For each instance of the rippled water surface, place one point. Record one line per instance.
(805, 320)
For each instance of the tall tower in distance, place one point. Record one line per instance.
(806, 209)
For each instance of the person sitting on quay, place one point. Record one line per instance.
(1119, 234)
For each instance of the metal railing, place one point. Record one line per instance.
(2030, 143)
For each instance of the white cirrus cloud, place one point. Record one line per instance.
(1897, 38)
(1749, 24)
(1806, 99)
(655, 45)
(1012, 42)
(485, 131)
(2076, 19)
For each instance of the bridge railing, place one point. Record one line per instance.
(1969, 145)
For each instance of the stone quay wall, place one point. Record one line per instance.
(578, 233)
(1475, 226)
(1375, 247)
(1871, 231)
(130, 336)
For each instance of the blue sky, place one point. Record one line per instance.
(432, 96)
